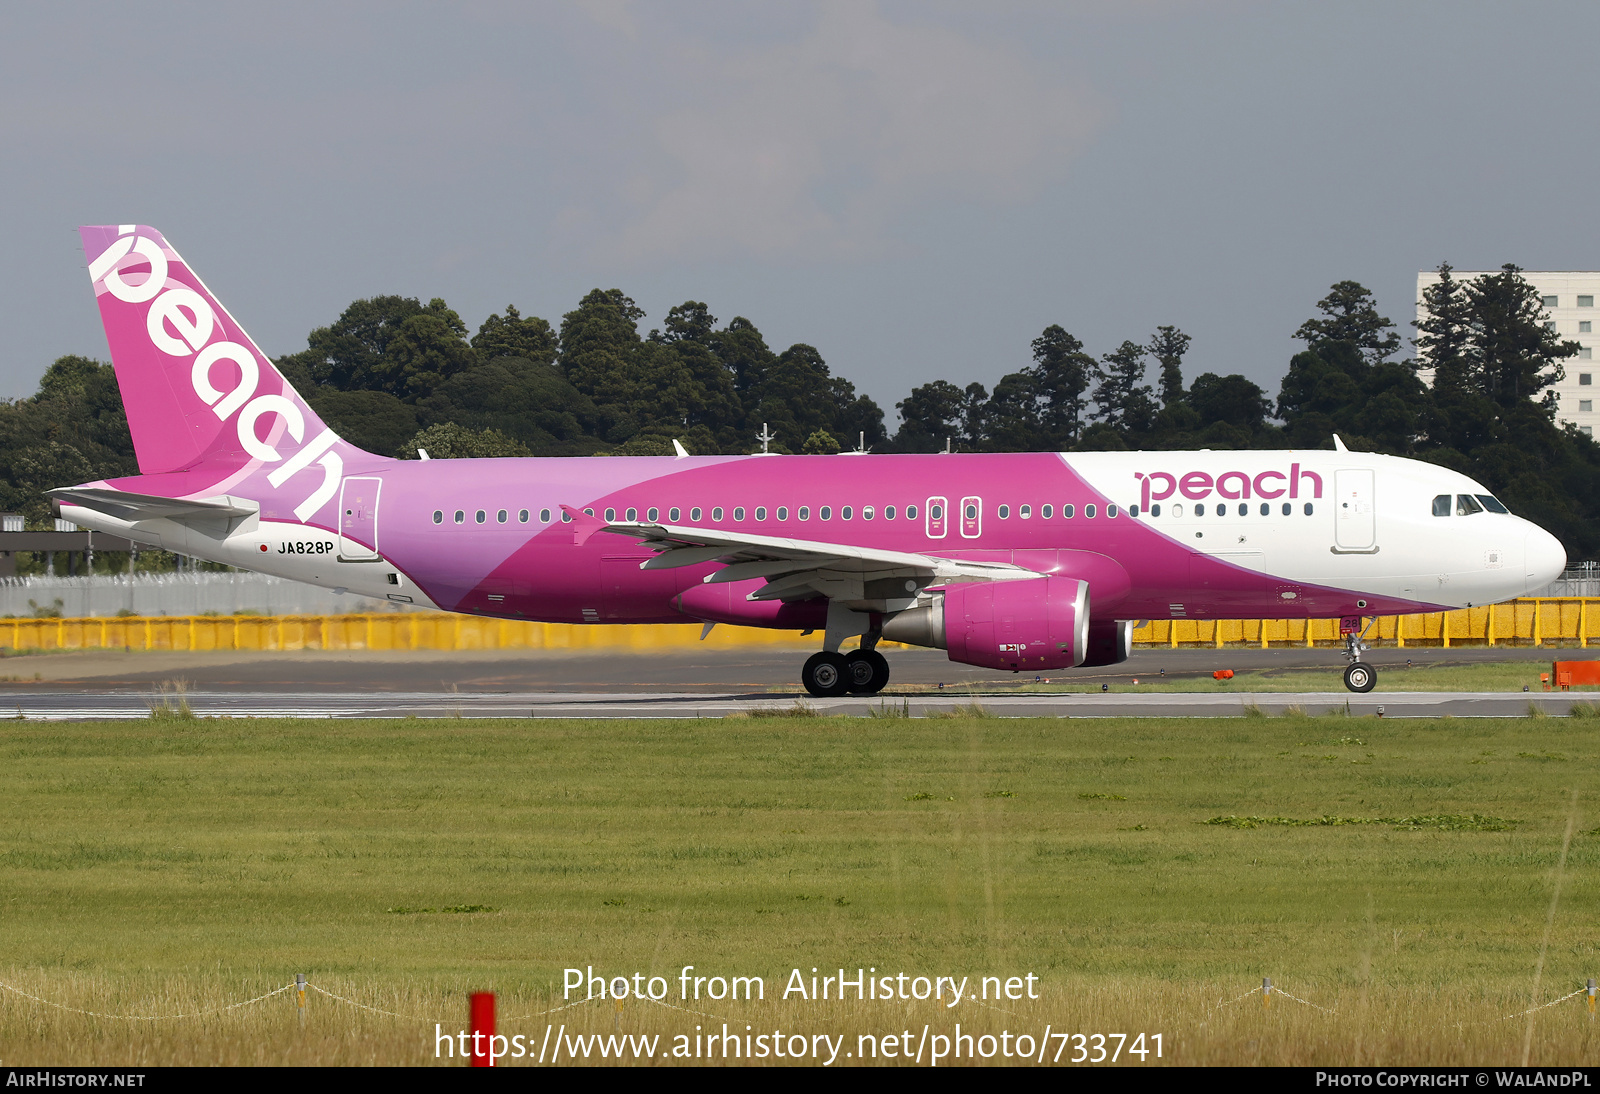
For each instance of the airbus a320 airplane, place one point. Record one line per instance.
(1014, 562)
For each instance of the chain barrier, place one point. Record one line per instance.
(567, 1006)
(1242, 998)
(145, 1017)
(1541, 1006)
(1279, 991)
(363, 1006)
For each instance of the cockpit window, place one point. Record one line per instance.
(1492, 503)
(1466, 505)
(1441, 505)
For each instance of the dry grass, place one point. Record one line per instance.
(1199, 1024)
(164, 867)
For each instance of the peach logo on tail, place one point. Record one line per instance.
(180, 323)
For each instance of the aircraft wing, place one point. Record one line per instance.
(797, 569)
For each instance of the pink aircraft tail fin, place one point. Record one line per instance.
(197, 390)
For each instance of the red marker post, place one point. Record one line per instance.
(482, 1028)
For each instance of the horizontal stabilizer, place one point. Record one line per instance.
(217, 516)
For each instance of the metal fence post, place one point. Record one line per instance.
(1266, 992)
(300, 996)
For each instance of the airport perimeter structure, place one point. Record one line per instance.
(1532, 622)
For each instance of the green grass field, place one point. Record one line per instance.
(177, 864)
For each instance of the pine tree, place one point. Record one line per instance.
(1167, 346)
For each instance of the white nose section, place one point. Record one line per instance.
(1546, 558)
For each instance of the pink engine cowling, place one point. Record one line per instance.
(1040, 623)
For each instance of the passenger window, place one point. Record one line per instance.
(1067, 511)
(501, 516)
(1308, 509)
(522, 516)
(1133, 510)
(1492, 503)
(1005, 511)
(1266, 510)
(1441, 505)
(460, 516)
(1177, 510)
(438, 516)
(866, 512)
(825, 512)
(844, 514)
(783, 512)
(761, 512)
(738, 512)
(1155, 510)
(566, 518)
(1244, 509)
(716, 513)
(1287, 509)
(674, 514)
(481, 516)
(611, 514)
(1045, 511)
(1111, 511)
(694, 515)
(633, 514)
(1466, 505)
(1025, 512)
(804, 513)
(911, 512)
(972, 512)
(888, 512)
(588, 511)
(1200, 510)
(1088, 511)
(544, 516)
(653, 515)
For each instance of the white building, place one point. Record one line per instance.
(1569, 298)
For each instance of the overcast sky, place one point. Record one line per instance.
(917, 189)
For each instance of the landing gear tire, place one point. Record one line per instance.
(1360, 676)
(826, 675)
(867, 670)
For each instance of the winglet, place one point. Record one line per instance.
(1338, 445)
(677, 446)
(584, 524)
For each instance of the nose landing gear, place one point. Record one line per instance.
(1358, 675)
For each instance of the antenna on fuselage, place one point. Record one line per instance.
(861, 448)
(766, 437)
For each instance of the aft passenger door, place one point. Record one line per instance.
(358, 519)
(1355, 527)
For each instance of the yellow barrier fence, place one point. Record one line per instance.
(1557, 620)
(381, 631)
(1554, 620)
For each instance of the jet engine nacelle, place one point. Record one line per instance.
(1039, 623)
(1110, 643)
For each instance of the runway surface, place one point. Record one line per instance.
(523, 684)
(68, 705)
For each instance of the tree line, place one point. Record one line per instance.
(394, 375)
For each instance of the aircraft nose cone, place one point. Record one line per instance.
(1546, 558)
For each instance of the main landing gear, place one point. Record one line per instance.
(860, 672)
(1358, 675)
